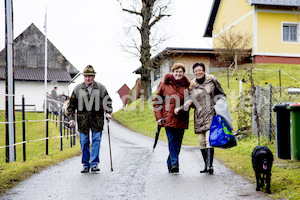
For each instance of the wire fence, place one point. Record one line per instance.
(56, 114)
(266, 99)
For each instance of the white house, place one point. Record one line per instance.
(163, 62)
(29, 71)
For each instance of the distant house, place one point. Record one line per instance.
(273, 24)
(123, 91)
(29, 70)
(164, 61)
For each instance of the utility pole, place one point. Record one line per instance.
(10, 88)
(46, 61)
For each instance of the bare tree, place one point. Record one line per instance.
(147, 13)
(232, 46)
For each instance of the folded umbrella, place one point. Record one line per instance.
(157, 134)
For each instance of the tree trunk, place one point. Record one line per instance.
(146, 83)
(145, 47)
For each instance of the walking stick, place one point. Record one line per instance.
(111, 169)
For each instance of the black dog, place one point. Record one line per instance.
(262, 159)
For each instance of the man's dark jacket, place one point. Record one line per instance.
(90, 108)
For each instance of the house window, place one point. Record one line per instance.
(157, 74)
(290, 32)
(32, 56)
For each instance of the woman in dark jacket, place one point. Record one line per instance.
(204, 92)
(170, 95)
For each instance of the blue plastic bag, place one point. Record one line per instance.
(220, 134)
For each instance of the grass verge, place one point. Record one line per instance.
(36, 159)
(285, 180)
(13, 173)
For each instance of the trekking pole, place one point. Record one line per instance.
(111, 169)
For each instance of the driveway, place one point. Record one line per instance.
(138, 174)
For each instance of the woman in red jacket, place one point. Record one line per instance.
(170, 94)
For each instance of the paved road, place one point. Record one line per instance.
(138, 174)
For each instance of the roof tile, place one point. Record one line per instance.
(275, 2)
(38, 74)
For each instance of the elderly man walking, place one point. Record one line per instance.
(92, 102)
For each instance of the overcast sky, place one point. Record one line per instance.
(88, 32)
